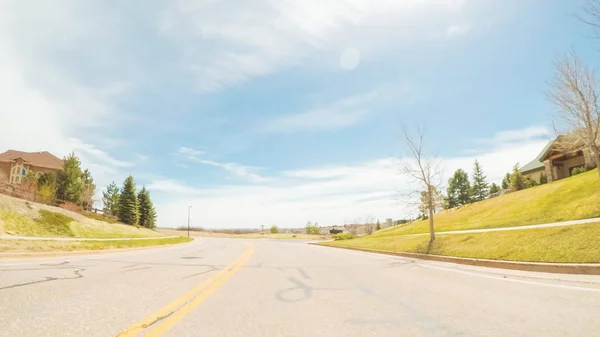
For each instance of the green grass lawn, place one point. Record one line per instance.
(579, 243)
(47, 246)
(99, 217)
(48, 223)
(573, 198)
(53, 224)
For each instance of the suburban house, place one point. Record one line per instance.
(15, 164)
(556, 164)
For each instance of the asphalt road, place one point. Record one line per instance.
(245, 288)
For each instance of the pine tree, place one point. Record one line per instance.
(506, 181)
(480, 189)
(110, 198)
(517, 181)
(459, 189)
(128, 203)
(147, 212)
(89, 190)
(378, 225)
(494, 188)
(69, 183)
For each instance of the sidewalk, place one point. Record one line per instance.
(35, 238)
(553, 224)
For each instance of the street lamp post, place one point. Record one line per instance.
(189, 208)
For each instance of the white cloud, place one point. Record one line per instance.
(456, 30)
(532, 132)
(237, 169)
(343, 113)
(190, 154)
(171, 186)
(331, 194)
(227, 43)
(91, 150)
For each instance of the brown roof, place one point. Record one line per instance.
(42, 159)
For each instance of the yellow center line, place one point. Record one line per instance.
(183, 301)
(170, 321)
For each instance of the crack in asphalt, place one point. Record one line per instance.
(77, 272)
(141, 268)
(201, 273)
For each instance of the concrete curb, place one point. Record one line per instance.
(541, 267)
(13, 255)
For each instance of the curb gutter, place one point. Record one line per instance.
(540, 267)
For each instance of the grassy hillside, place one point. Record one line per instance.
(18, 217)
(573, 198)
(579, 243)
(16, 246)
(568, 199)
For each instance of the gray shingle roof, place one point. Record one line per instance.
(537, 163)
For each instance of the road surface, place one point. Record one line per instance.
(245, 288)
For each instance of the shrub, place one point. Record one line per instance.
(71, 206)
(530, 183)
(46, 194)
(543, 179)
(274, 229)
(343, 236)
(312, 228)
(578, 170)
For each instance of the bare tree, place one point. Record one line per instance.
(426, 172)
(352, 228)
(369, 224)
(591, 16)
(574, 91)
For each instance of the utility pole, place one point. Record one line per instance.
(189, 208)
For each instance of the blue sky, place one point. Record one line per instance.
(260, 112)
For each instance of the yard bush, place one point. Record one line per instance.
(343, 236)
(578, 170)
(312, 228)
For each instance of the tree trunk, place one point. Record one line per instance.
(595, 157)
(431, 206)
(431, 231)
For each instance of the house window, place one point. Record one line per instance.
(17, 174)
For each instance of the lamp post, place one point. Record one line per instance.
(189, 208)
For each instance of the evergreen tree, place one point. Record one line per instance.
(110, 198)
(494, 188)
(480, 189)
(89, 190)
(506, 181)
(459, 189)
(147, 213)
(128, 203)
(69, 180)
(517, 182)
(378, 225)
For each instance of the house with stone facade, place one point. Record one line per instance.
(556, 163)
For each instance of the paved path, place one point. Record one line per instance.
(553, 224)
(241, 288)
(38, 238)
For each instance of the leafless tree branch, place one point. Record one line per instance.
(574, 92)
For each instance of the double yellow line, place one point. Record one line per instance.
(165, 318)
